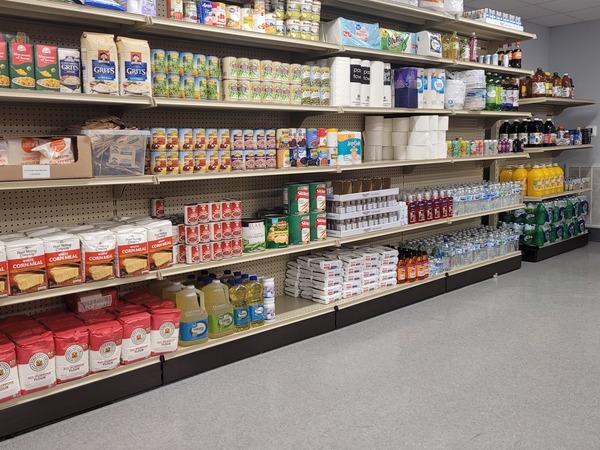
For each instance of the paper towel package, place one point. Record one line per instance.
(387, 85)
(373, 153)
(406, 87)
(400, 152)
(340, 82)
(351, 33)
(388, 153)
(373, 138)
(399, 138)
(349, 148)
(422, 85)
(355, 81)
(419, 138)
(435, 94)
(443, 123)
(416, 152)
(429, 44)
(398, 41)
(433, 123)
(374, 123)
(365, 86)
(387, 139)
(388, 125)
(377, 84)
(442, 150)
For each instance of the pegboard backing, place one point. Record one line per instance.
(54, 207)
(432, 176)
(467, 128)
(351, 122)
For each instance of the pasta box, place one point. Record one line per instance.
(22, 66)
(81, 168)
(46, 68)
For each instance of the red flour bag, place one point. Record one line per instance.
(136, 337)
(9, 377)
(105, 345)
(16, 327)
(72, 354)
(35, 362)
(153, 303)
(88, 301)
(125, 309)
(165, 330)
(136, 296)
(96, 316)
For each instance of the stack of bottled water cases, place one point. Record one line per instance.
(547, 222)
(462, 248)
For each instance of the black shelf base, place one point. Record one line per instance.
(535, 254)
(474, 276)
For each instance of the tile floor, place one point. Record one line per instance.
(511, 363)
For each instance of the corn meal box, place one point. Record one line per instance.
(69, 70)
(160, 243)
(26, 266)
(22, 65)
(98, 255)
(35, 362)
(4, 286)
(9, 377)
(63, 260)
(4, 71)
(131, 251)
(46, 68)
(105, 345)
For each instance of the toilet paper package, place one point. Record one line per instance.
(374, 123)
(401, 124)
(419, 123)
(475, 99)
(422, 86)
(388, 125)
(398, 41)
(455, 94)
(387, 86)
(340, 73)
(351, 33)
(373, 153)
(434, 5)
(387, 139)
(429, 44)
(435, 94)
(399, 139)
(377, 84)
(355, 81)
(417, 152)
(349, 148)
(406, 87)
(419, 138)
(373, 138)
(388, 153)
(443, 123)
(400, 153)
(365, 85)
(433, 123)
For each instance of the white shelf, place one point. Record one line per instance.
(371, 212)
(499, 114)
(364, 195)
(83, 182)
(551, 196)
(491, 157)
(558, 148)
(393, 111)
(552, 101)
(246, 174)
(32, 96)
(239, 106)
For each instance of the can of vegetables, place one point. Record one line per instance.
(277, 231)
(299, 229)
(253, 235)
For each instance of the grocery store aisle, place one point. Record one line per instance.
(508, 363)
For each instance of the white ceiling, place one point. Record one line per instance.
(549, 13)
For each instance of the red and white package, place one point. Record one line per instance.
(216, 231)
(226, 249)
(236, 209)
(60, 322)
(236, 229)
(190, 214)
(237, 248)
(136, 296)
(154, 303)
(63, 260)
(125, 309)
(205, 252)
(105, 345)
(91, 300)
(204, 232)
(192, 254)
(226, 211)
(203, 212)
(216, 251)
(181, 255)
(132, 251)
(96, 316)
(192, 234)
(9, 376)
(160, 244)
(72, 354)
(214, 211)
(20, 326)
(98, 255)
(35, 362)
(4, 285)
(165, 330)
(181, 233)
(136, 337)
(26, 266)
(226, 230)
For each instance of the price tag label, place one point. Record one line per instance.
(40, 172)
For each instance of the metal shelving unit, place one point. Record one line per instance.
(551, 196)
(559, 148)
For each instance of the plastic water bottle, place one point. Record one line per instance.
(447, 255)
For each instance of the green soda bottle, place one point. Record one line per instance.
(541, 215)
(538, 236)
(569, 209)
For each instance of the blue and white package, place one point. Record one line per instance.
(406, 87)
(145, 7)
(429, 44)
(108, 4)
(349, 148)
(351, 33)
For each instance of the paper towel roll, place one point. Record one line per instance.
(340, 81)
(387, 139)
(434, 137)
(443, 123)
(365, 86)
(388, 125)
(399, 139)
(442, 137)
(401, 124)
(433, 151)
(454, 98)
(373, 153)
(376, 84)
(419, 123)
(433, 123)
(374, 123)
(387, 86)
(442, 150)
(417, 152)
(388, 153)
(419, 138)
(400, 152)
(373, 138)
(355, 81)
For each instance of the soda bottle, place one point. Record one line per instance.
(499, 92)
(504, 130)
(500, 55)
(539, 83)
(514, 94)
(517, 57)
(549, 133)
(541, 214)
(490, 97)
(506, 57)
(513, 130)
(506, 95)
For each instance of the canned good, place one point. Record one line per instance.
(236, 248)
(199, 138)
(173, 67)
(286, 94)
(230, 90)
(283, 158)
(212, 139)
(266, 70)
(260, 140)
(226, 249)
(292, 28)
(318, 226)
(157, 207)
(301, 137)
(318, 196)
(226, 230)
(160, 86)
(213, 67)
(237, 139)
(205, 252)
(213, 89)
(200, 84)
(172, 139)
(230, 68)
(190, 11)
(214, 211)
(181, 233)
(325, 76)
(187, 87)
(237, 160)
(305, 72)
(158, 139)
(299, 226)
(204, 232)
(284, 72)
(314, 30)
(247, 139)
(216, 251)
(305, 94)
(293, 10)
(296, 94)
(200, 65)
(312, 137)
(203, 212)
(216, 231)
(271, 159)
(243, 68)
(255, 92)
(224, 160)
(186, 139)
(174, 86)
(278, 88)
(236, 228)
(249, 159)
(270, 139)
(190, 214)
(159, 61)
(315, 95)
(192, 234)
(158, 163)
(295, 74)
(296, 198)
(306, 9)
(192, 254)
(254, 69)
(236, 208)
(268, 92)
(305, 29)
(325, 95)
(199, 161)
(186, 161)
(279, 27)
(246, 17)
(224, 139)
(226, 211)
(181, 253)
(244, 90)
(186, 64)
(282, 140)
(260, 159)
(277, 231)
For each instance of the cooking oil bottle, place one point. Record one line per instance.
(193, 328)
(170, 292)
(256, 302)
(227, 276)
(241, 313)
(220, 311)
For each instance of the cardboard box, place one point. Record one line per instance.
(4, 72)
(46, 68)
(82, 168)
(22, 66)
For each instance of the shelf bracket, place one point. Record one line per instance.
(126, 30)
(118, 191)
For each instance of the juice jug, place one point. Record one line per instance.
(520, 176)
(156, 287)
(534, 182)
(547, 180)
(220, 311)
(241, 313)
(193, 328)
(538, 85)
(255, 300)
(401, 268)
(561, 178)
(170, 292)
